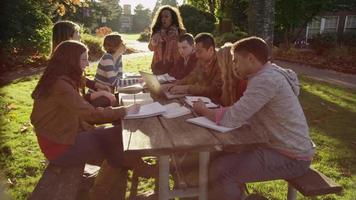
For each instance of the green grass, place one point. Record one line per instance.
(130, 36)
(330, 110)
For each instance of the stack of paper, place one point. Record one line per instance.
(205, 122)
(174, 110)
(208, 103)
(164, 78)
(148, 110)
(141, 98)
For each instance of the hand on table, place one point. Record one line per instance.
(199, 107)
(133, 109)
(106, 94)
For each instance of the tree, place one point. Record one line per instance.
(160, 3)
(112, 11)
(142, 18)
(261, 19)
(294, 15)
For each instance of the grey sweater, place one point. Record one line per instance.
(270, 106)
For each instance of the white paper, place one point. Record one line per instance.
(206, 100)
(141, 98)
(205, 122)
(148, 110)
(165, 78)
(174, 110)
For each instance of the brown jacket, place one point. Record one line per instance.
(182, 69)
(204, 80)
(64, 113)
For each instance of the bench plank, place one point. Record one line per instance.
(58, 183)
(315, 183)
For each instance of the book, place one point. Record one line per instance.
(174, 110)
(164, 78)
(148, 110)
(205, 122)
(140, 98)
(208, 103)
(132, 89)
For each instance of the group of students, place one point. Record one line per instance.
(251, 91)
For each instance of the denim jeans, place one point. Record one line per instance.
(95, 145)
(228, 173)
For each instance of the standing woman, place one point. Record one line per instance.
(166, 28)
(68, 30)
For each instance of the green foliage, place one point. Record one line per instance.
(229, 37)
(141, 19)
(196, 21)
(25, 27)
(145, 36)
(95, 46)
(322, 42)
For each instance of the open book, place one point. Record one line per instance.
(164, 78)
(141, 98)
(174, 110)
(205, 122)
(148, 110)
(208, 103)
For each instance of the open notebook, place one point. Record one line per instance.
(148, 110)
(205, 122)
(174, 110)
(208, 103)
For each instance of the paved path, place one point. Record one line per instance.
(338, 78)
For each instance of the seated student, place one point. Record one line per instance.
(270, 106)
(187, 60)
(109, 71)
(68, 30)
(233, 87)
(61, 116)
(205, 79)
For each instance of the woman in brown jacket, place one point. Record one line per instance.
(63, 120)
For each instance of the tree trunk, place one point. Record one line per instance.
(261, 20)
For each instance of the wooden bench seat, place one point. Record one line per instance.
(313, 183)
(58, 183)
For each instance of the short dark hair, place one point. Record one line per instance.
(112, 42)
(254, 45)
(206, 39)
(187, 37)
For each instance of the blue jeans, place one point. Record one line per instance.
(228, 173)
(95, 145)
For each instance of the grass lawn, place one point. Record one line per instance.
(330, 110)
(130, 36)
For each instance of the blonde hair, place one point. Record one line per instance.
(230, 82)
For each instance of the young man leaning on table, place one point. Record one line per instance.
(270, 105)
(205, 79)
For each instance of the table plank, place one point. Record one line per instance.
(146, 137)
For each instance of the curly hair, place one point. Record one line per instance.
(65, 61)
(176, 19)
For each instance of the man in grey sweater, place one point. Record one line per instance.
(270, 106)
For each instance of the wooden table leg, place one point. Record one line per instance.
(203, 175)
(163, 190)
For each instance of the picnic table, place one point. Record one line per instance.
(161, 137)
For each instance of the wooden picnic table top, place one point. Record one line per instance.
(161, 136)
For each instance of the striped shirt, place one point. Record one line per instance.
(270, 105)
(110, 73)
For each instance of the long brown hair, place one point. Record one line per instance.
(65, 61)
(176, 19)
(62, 31)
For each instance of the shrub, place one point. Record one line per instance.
(197, 21)
(349, 39)
(322, 42)
(102, 31)
(145, 36)
(229, 37)
(95, 46)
